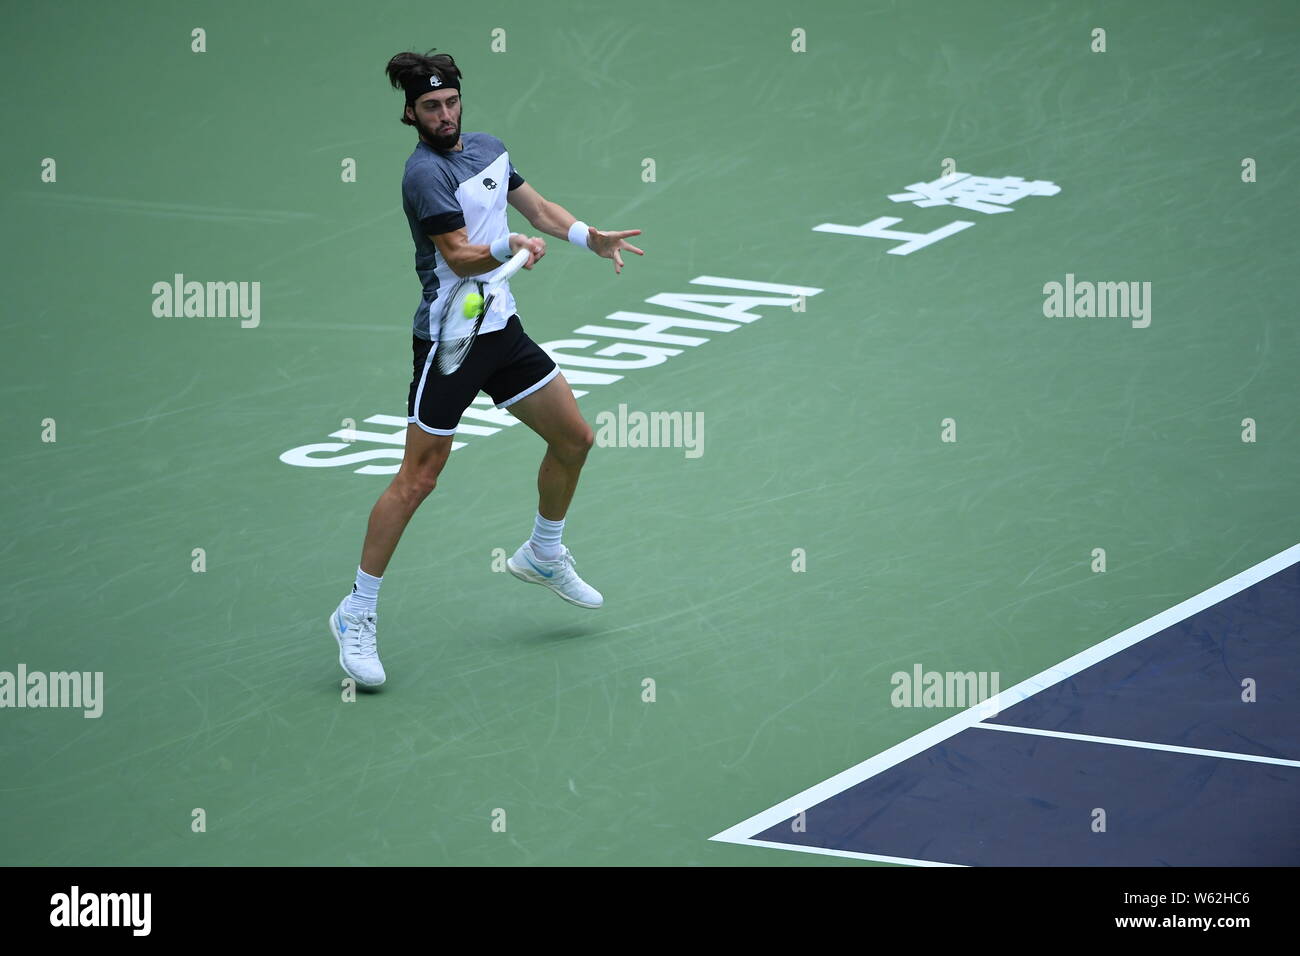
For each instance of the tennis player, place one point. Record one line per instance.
(454, 193)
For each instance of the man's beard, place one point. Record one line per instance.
(440, 140)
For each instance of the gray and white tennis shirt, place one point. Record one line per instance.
(442, 192)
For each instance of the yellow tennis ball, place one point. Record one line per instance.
(473, 302)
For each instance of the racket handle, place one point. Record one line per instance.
(513, 265)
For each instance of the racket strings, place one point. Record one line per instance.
(451, 353)
(455, 339)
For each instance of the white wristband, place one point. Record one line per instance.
(501, 248)
(578, 234)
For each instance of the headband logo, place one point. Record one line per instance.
(434, 81)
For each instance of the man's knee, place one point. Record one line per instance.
(419, 475)
(417, 485)
(573, 447)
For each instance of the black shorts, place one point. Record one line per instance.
(506, 364)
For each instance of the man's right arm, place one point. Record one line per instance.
(470, 260)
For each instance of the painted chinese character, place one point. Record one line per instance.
(977, 193)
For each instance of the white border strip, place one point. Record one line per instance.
(531, 388)
(1142, 744)
(741, 832)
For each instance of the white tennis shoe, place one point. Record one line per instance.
(358, 645)
(558, 575)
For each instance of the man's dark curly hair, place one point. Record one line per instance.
(407, 66)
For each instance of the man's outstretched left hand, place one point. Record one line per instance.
(608, 245)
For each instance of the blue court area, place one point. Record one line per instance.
(1180, 748)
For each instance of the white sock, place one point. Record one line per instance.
(365, 594)
(545, 541)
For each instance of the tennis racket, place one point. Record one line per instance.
(459, 316)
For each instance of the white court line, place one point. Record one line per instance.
(741, 832)
(1143, 744)
(824, 851)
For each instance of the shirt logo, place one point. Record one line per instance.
(488, 183)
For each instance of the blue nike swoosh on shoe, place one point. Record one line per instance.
(338, 622)
(545, 574)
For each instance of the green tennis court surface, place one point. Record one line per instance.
(830, 535)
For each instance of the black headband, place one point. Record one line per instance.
(417, 86)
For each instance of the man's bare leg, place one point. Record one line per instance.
(552, 412)
(354, 623)
(422, 463)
